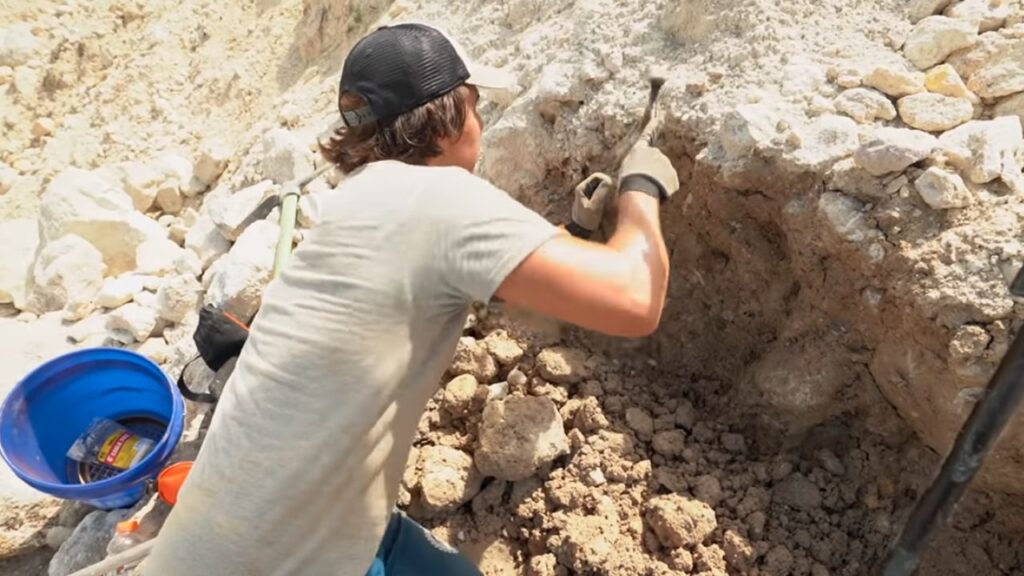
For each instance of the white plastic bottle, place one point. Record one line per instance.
(125, 536)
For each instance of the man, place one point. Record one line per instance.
(300, 470)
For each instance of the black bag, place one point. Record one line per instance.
(219, 337)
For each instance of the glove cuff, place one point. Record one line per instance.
(643, 183)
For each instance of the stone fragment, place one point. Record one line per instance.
(827, 140)
(978, 147)
(459, 393)
(670, 443)
(168, 197)
(562, 365)
(174, 166)
(796, 491)
(24, 514)
(708, 489)
(518, 435)
(934, 112)
(67, 274)
(679, 521)
(285, 157)
(449, 479)
(43, 127)
(1010, 106)
(746, 129)
(893, 149)
(79, 202)
(18, 45)
(989, 14)
(228, 212)
(943, 190)
(921, 9)
(121, 290)
(738, 551)
(206, 241)
(471, 357)
(87, 545)
(504, 349)
(944, 79)
(158, 257)
(894, 81)
(1002, 74)
(142, 182)
(640, 421)
(235, 282)
(779, 560)
(7, 177)
(936, 37)
(845, 216)
(20, 239)
(686, 415)
(178, 297)
(135, 319)
(865, 105)
(213, 159)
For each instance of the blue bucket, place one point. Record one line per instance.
(51, 407)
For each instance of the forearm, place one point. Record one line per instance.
(638, 237)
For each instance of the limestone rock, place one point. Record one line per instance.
(471, 357)
(1011, 106)
(158, 257)
(135, 319)
(449, 479)
(206, 241)
(79, 202)
(746, 129)
(213, 159)
(24, 515)
(459, 393)
(990, 14)
(944, 79)
(67, 273)
(20, 239)
(798, 492)
(236, 281)
(978, 147)
(518, 435)
(87, 545)
(168, 197)
(827, 140)
(7, 177)
(864, 105)
(173, 166)
(936, 37)
(934, 112)
(178, 297)
(679, 521)
(895, 82)
(43, 127)
(942, 190)
(228, 212)
(921, 9)
(845, 216)
(142, 182)
(504, 349)
(156, 349)
(18, 45)
(893, 149)
(562, 365)
(1002, 74)
(121, 290)
(285, 157)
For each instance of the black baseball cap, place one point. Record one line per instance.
(400, 67)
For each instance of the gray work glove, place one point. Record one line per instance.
(588, 204)
(647, 169)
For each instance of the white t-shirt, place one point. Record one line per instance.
(304, 457)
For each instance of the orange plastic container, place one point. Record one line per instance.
(169, 481)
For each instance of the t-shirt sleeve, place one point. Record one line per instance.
(489, 234)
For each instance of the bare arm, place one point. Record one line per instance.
(616, 288)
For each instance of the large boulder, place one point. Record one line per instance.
(20, 239)
(236, 280)
(79, 202)
(68, 273)
(518, 436)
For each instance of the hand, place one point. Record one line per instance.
(589, 199)
(647, 169)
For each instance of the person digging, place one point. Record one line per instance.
(303, 460)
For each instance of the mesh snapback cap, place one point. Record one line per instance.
(400, 67)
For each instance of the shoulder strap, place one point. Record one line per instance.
(202, 398)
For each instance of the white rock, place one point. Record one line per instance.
(990, 14)
(173, 166)
(20, 239)
(135, 319)
(864, 105)
(43, 127)
(1011, 106)
(213, 159)
(895, 81)
(178, 297)
(944, 79)
(229, 211)
(894, 149)
(120, 290)
(1011, 174)
(141, 181)
(1002, 74)
(747, 128)
(206, 241)
(25, 512)
(285, 157)
(156, 349)
(236, 281)
(79, 202)
(845, 215)
(18, 45)
(158, 257)
(169, 198)
(68, 273)
(518, 435)
(936, 37)
(921, 9)
(827, 140)
(934, 112)
(978, 147)
(942, 190)
(7, 177)
(187, 262)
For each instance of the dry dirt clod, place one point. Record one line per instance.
(679, 521)
(448, 479)
(518, 435)
(459, 394)
(798, 492)
(472, 357)
(562, 365)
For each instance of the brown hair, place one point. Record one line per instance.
(412, 137)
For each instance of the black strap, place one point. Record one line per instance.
(202, 398)
(577, 230)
